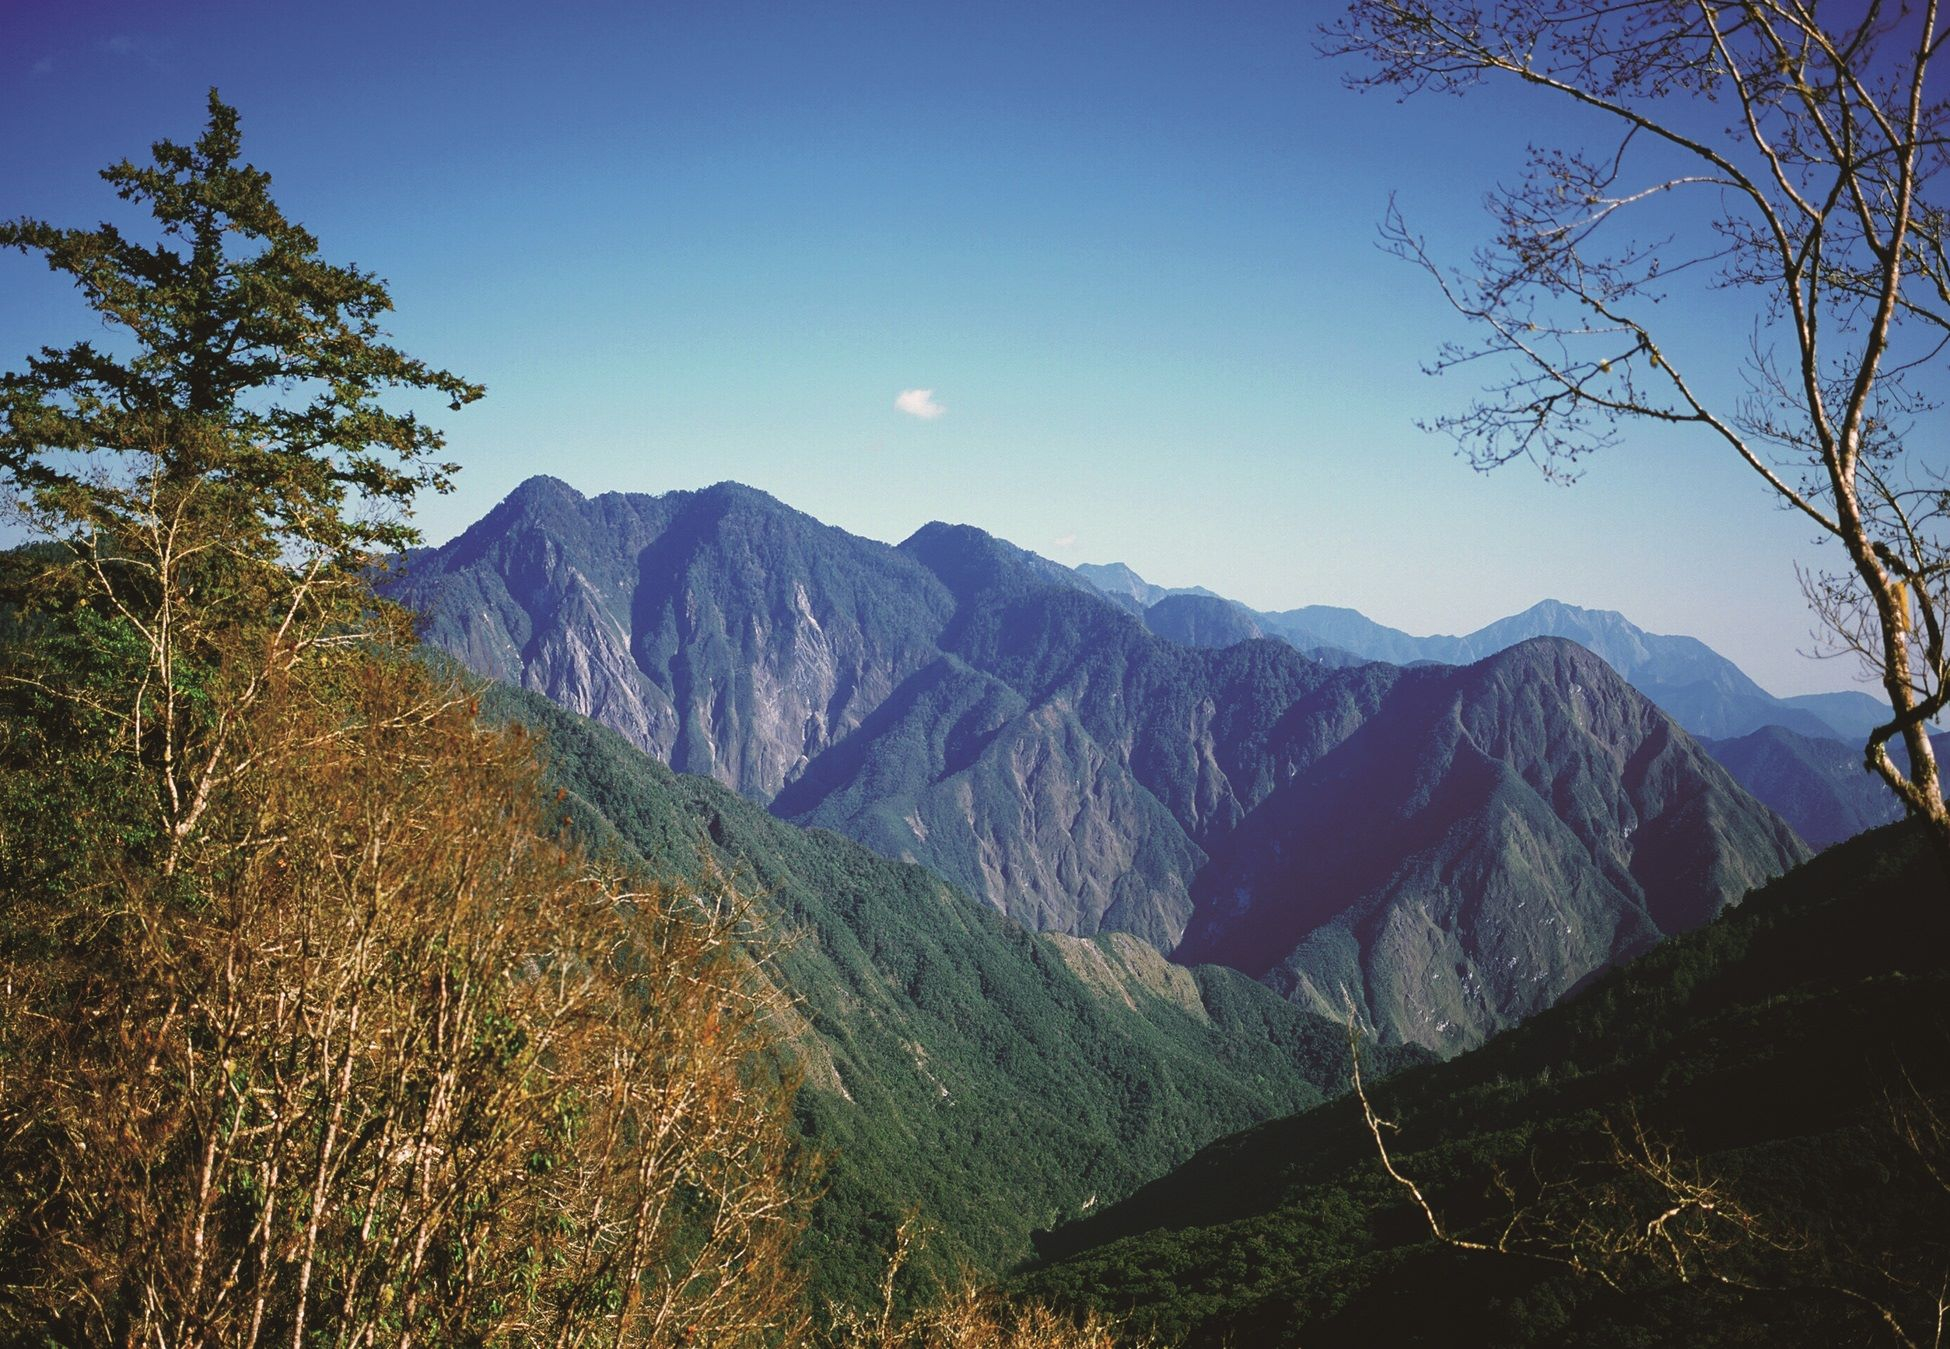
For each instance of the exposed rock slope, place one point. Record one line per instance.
(969, 706)
(1488, 839)
(718, 630)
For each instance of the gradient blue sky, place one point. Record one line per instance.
(1131, 249)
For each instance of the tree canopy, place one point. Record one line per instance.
(1784, 157)
(244, 362)
(223, 469)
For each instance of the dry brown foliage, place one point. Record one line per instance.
(390, 1068)
(968, 1316)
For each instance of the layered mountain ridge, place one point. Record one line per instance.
(958, 702)
(1702, 690)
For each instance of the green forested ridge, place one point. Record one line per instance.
(1783, 1051)
(953, 1060)
(1203, 620)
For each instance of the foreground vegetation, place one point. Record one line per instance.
(375, 1063)
(1738, 1138)
(314, 1028)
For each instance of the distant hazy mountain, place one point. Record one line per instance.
(1853, 715)
(1705, 692)
(1819, 786)
(1121, 583)
(1491, 835)
(1702, 690)
(964, 704)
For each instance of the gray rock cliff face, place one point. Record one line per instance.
(718, 630)
(1451, 848)
(959, 773)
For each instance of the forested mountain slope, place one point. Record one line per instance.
(1794, 1056)
(998, 1079)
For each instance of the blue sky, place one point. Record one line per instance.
(1129, 249)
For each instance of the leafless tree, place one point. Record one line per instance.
(1784, 155)
(966, 1315)
(1638, 1212)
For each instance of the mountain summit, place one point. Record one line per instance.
(1471, 853)
(1504, 828)
(1702, 690)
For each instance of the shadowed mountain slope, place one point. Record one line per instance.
(1793, 1053)
(1818, 786)
(1491, 836)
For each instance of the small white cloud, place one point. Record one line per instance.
(1064, 540)
(44, 66)
(919, 403)
(138, 47)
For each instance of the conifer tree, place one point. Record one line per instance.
(312, 1029)
(223, 469)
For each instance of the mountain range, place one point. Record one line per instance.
(1700, 689)
(1801, 756)
(960, 703)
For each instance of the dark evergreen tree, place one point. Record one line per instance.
(223, 470)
